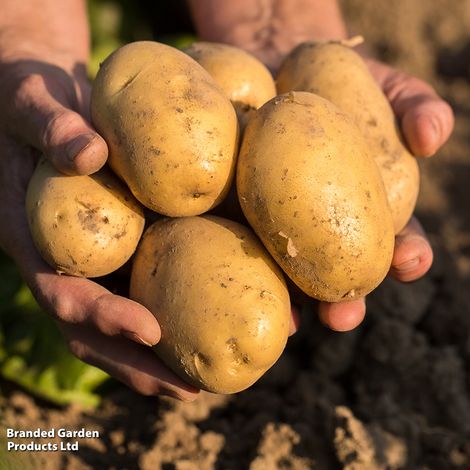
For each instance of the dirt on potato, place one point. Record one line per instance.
(394, 393)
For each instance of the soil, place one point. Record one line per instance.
(392, 394)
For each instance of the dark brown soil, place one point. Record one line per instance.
(392, 394)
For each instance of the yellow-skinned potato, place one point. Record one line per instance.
(220, 300)
(336, 72)
(312, 192)
(82, 225)
(172, 133)
(245, 80)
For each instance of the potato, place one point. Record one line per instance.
(337, 73)
(313, 194)
(171, 132)
(82, 225)
(245, 80)
(220, 300)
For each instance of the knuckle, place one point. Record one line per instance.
(407, 82)
(147, 386)
(56, 304)
(98, 317)
(20, 90)
(403, 86)
(28, 94)
(30, 85)
(56, 125)
(78, 349)
(60, 307)
(415, 82)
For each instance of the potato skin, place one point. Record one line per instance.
(314, 195)
(82, 225)
(171, 132)
(220, 300)
(336, 72)
(245, 80)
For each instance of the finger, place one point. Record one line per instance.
(72, 299)
(47, 123)
(426, 123)
(136, 366)
(81, 301)
(294, 321)
(342, 316)
(413, 255)
(426, 120)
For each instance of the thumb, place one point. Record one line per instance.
(63, 135)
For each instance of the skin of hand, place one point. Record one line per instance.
(269, 29)
(45, 96)
(426, 122)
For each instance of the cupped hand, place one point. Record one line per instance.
(426, 122)
(45, 110)
(46, 105)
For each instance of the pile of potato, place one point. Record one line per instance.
(322, 178)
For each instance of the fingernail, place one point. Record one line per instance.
(167, 392)
(435, 125)
(294, 320)
(407, 265)
(135, 337)
(433, 145)
(76, 146)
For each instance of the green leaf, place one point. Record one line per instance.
(33, 353)
(179, 41)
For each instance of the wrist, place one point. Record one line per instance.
(44, 31)
(16, 47)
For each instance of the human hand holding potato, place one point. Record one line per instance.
(102, 329)
(45, 95)
(45, 110)
(335, 71)
(426, 122)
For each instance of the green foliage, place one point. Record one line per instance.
(115, 23)
(178, 40)
(33, 352)
(16, 460)
(105, 24)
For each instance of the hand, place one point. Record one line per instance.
(45, 110)
(426, 123)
